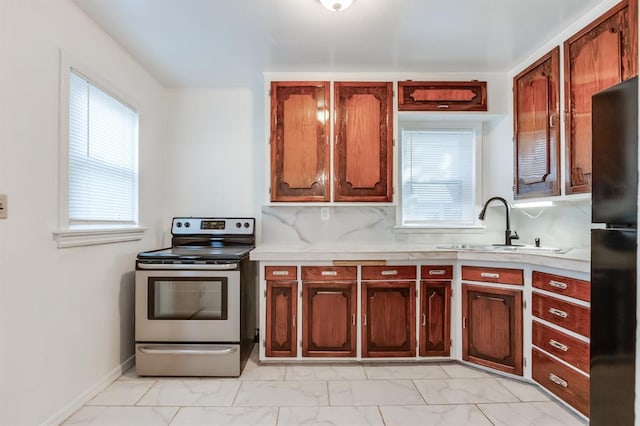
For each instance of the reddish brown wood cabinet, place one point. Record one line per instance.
(536, 112)
(568, 384)
(299, 141)
(435, 318)
(281, 307)
(492, 327)
(329, 306)
(599, 56)
(363, 155)
(389, 314)
(442, 95)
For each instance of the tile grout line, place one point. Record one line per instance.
(484, 414)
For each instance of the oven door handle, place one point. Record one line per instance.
(199, 266)
(186, 351)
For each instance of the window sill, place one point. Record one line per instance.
(439, 229)
(87, 236)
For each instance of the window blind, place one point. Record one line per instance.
(438, 176)
(103, 156)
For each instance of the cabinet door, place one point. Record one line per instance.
(435, 318)
(329, 319)
(536, 105)
(299, 141)
(282, 307)
(601, 55)
(363, 141)
(492, 327)
(388, 319)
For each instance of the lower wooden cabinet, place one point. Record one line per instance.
(329, 319)
(492, 327)
(388, 319)
(282, 314)
(435, 318)
(567, 383)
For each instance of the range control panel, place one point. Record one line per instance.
(213, 225)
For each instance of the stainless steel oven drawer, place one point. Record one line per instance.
(166, 359)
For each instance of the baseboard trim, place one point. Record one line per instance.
(88, 394)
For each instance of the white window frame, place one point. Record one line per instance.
(435, 227)
(82, 235)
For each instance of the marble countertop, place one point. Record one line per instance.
(576, 259)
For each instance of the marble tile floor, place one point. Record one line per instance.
(323, 394)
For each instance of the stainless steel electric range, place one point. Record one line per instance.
(195, 301)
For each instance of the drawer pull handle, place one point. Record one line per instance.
(329, 292)
(437, 272)
(558, 345)
(489, 275)
(443, 106)
(280, 273)
(558, 381)
(329, 273)
(424, 320)
(558, 313)
(558, 284)
(365, 319)
(293, 321)
(389, 272)
(353, 319)
(495, 299)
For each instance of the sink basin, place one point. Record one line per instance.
(503, 248)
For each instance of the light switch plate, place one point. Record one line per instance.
(3, 206)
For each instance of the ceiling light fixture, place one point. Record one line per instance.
(336, 5)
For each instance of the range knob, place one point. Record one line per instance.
(246, 224)
(187, 224)
(238, 225)
(179, 224)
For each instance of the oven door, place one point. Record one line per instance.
(188, 305)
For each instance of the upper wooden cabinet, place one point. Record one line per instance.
(442, 96)
(299, 141)
(599, 56)
(363, 155)
(536, 105)
(363, 137)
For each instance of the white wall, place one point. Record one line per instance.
(214, 153)
(65, 314)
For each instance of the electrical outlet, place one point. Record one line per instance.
(3, 206)
(324, 213)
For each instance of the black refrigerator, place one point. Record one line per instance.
(613, 254)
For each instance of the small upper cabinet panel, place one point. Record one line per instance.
(442, 96)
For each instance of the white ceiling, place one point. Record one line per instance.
(227, 43)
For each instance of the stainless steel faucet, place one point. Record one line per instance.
(507, 233)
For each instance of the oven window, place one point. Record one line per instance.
(188, 298)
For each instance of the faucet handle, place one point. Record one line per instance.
(515, 236)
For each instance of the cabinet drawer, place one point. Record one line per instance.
(389, 273)
(436, 272)
(572, 287)
(569, 385)
(569, 349)
(442, 96)
(280, 273)
(567, 315)
(493, 275)
(329, 273)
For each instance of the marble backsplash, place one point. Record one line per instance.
(565, 225)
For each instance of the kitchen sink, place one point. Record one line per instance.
(503, 248)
